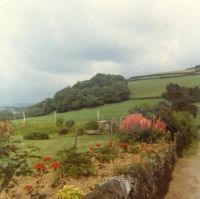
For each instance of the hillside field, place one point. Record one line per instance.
(139, 89)
(154, 87)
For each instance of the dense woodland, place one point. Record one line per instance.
(99, 90)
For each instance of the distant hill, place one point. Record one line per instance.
(152, 86)
(100, 89)
(186, 72)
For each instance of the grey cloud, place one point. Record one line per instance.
(47, 45)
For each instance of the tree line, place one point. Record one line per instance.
(100, 89)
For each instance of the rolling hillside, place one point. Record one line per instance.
(140, 89)
(154, 87)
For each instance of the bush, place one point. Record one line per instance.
(59, 123)
(63, 131)
(36, 136)
(186, 129)
(80, 131)
(70, 192)
(76, 164)
(69, 123)
(104, 153)
(136, 127)
(91, 125)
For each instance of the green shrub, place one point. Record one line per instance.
(36, 136)
(63, 131)
(70, 192)
(76, 164)
(186, 130)
(69, 123)
(80, 131)
(105, 153)
(60, 123)
(91, 125)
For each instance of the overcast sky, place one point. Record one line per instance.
(46, 45)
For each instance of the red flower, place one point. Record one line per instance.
(46, 158)
(98, 145)
(125, 146)
(28, 187)
(55, 165)
(40, 166)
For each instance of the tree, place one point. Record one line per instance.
(98, 90)
(182, 98)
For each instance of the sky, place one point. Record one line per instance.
(50, 44)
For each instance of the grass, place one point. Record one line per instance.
(192, 150)
(107, 112)
(155, 87)
(56, 143)
(46, 124)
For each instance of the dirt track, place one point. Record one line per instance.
(185, 182)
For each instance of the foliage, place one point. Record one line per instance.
(13, 163)
(185, 128)
(182, 98)
(91, 125)
(76, 164)
(136, 127)
(4, 131)
(145, 109)
(70, 192)
(36, 136)
(60, 123)
(97, 91)
(80, 131)
(69, 123)
(104, 153)
(63, 131)
(46, 165)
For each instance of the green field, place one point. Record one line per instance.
(57, 143)
(154, 87)
(107, 112)
(139, 89)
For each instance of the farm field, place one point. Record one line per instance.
(108, 111)
(57, 143)
(46, 124)
(154, 87)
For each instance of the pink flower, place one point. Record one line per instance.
(138, 121)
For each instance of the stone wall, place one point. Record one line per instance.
(151, 182)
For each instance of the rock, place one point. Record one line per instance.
(42, 196)
(116, 187)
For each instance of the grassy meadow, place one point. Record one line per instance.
(139, 89)
(154, 87)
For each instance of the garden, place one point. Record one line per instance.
(73, 164)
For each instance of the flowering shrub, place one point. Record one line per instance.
(55, 165)
(125, 146)
(46, 158)
(104, 153)
(136, 127)
(76, 164)
(138, 121)
(40, 166)
(70, 192)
